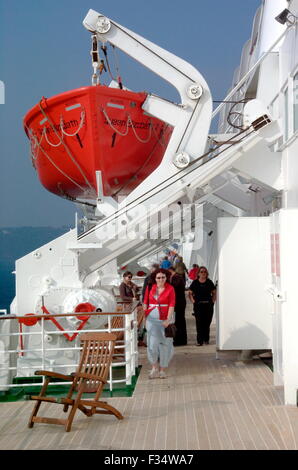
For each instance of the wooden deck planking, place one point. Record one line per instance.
(163, 420)
(231, 422)
(205, 403)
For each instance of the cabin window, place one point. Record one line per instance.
(286, 111)
(295, 102)
(274, 108)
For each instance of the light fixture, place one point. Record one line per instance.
(286, 17)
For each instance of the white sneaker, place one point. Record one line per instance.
(154, 373)
(162, 374)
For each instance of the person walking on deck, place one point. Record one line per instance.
(159, 303)
(193, 272)
(180, 268)
(202, 293)
(165, 264)
(149, 279)
(128, 289)
(178, 283)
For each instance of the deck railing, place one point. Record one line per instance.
(124, 323)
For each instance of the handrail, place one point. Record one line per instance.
(244, 78)
(53, 315)
(126, 354)
(74, 314)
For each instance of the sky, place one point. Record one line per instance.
(45, 50)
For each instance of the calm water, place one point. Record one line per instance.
(16, 242)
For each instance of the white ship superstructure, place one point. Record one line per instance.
(235, 190)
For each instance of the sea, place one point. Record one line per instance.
(16, 242)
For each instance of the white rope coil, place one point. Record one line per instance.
(66, 148)
(82, 121)
(143, 141)
(44, 132)
(129, 122)
(114, 128)
(34, 143)
(54, 164)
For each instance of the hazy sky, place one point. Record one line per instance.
(45, 50)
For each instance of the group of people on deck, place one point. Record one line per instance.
(164, 302)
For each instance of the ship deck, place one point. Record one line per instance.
(206, 403)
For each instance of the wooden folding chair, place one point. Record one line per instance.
(90, 377)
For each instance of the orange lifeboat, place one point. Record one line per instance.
(79, 132)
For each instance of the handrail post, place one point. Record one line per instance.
(127, 341)
(42, 341)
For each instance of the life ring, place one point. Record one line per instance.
(84, 307)
(29, 321)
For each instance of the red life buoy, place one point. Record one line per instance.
(29, 321)
(84, 307)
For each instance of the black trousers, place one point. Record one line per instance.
(203, 315)
(180, 323)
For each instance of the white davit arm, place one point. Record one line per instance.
(183, 76)
(191, 119)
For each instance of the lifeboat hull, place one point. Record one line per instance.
(77, 133)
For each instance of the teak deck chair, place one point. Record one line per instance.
(90, 377)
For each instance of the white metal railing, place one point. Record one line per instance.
(249, 72)
(242, 84)
(125, 351)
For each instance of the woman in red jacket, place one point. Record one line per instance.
(159, 303)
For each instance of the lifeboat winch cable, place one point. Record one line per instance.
(176, 177)
(104, 50)
(117, 67)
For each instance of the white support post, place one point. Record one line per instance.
(127, 339)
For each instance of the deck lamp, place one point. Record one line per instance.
(286, 17)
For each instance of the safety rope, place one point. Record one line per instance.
(33, 143)
(111, 125)
(38, 144)
(60, 170)
(66, 147)
(128, 122)
(143, 141)
(82, 121)
(44, 132)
